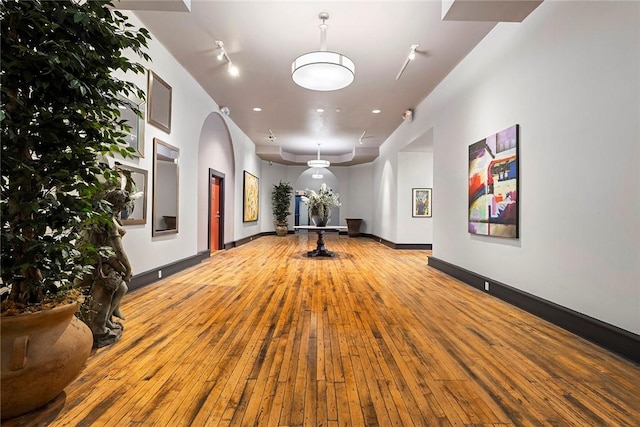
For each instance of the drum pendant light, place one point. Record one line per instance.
(322, 70)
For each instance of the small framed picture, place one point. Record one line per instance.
(251, 199)
(136, 212)
(421, 200)
(159, 94)
(135, 134)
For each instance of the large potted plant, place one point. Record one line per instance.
(60, 115)
(280, 203)
(320, 204)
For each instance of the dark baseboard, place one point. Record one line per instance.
(246, 240)
(392, 245)
(617, 340)
(414, 246)
(143, 279)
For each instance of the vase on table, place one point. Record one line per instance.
(318, 220)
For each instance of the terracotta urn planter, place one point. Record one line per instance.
(42, 353)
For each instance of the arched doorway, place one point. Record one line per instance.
(305, 180)
(216, 167)
(216, 210)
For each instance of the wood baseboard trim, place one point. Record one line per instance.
(617, 340)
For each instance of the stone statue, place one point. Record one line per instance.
(106, 286)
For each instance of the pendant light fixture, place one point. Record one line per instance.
(318, 163)
(322, 70)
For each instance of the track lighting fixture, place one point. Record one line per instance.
(224, 56)
(410, 57)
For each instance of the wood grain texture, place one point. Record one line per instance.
(262, 335)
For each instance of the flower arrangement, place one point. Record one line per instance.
(322, 201)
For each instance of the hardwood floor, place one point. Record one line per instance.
(262, 335)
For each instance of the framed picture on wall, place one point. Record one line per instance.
(493, 184)
(136, 212)
(159, 93)
(250, 202)
(421, 202)
(135, 133)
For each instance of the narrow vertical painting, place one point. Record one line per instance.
(251, 200)
(493, 185)
(421, 207)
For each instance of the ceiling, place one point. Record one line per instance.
(262, 38)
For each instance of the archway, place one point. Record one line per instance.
(215, 151)
(305, 180)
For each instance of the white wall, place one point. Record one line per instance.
(570, 76)
(356, 194)
(415, 170)
(190, 108)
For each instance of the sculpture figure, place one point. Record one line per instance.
(107, 284)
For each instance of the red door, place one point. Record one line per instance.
(214, 211)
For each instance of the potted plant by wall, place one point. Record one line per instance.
(60, 114)
(280, 203)
(320, 204)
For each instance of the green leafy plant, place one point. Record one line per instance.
(322, 201)
(281, 200)
(60, 115)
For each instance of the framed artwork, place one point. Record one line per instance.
(166, 185)
(421, 202)
(135, 134)
(136, 212)
(251, 200)
(493, 184)
(159, 93)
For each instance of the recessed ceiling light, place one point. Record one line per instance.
(376, 111)
(319, 110)
(257, 109)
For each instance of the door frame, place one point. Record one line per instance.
(213, 175)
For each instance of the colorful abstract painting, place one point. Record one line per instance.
(493, 184)
(251, 201)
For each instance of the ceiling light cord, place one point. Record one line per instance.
(323, 31)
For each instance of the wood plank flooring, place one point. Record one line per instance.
(261, 335)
